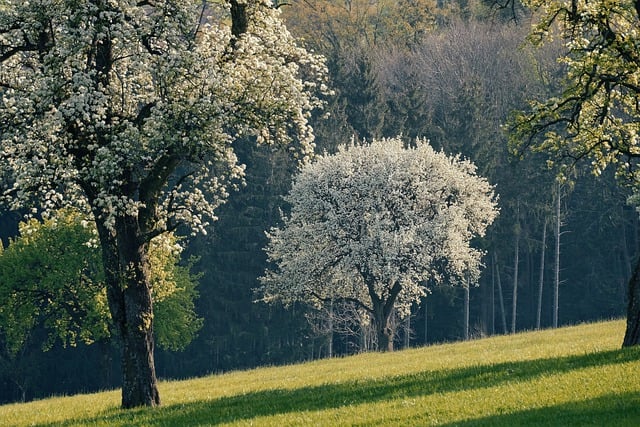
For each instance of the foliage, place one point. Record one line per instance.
(175, 96)
(333, 26)
(351, 36)
(51, 276)
(375, 223)
(130, 110)
(177, 322)
(454, 87)
(570, 376)
(595, 118)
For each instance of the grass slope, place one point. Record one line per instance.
(569, 376)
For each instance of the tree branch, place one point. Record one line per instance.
(149, 190)
(239, 21)
(354, 301)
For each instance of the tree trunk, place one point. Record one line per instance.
(139, 383)
(487, 309)
(407, 331)
(381, 312)
(492, 299)
(384, 331)
(632, 334)
(514, 302)
(126, 265)
(426, 322)
(503, 317)
(541, 276)
(466, 311)
(331, 328)
(556, 280)
(627, 258)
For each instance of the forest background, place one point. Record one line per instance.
(451, 71)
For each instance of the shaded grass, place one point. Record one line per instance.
(282, 401)
(621, 409)
(574, 376)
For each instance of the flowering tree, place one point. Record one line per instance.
(374, 224)
(596, 116)
(129, 110)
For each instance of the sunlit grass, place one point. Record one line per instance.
(569, 376)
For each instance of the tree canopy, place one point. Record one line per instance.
(375, 224)
(595, 118)
(130, 110)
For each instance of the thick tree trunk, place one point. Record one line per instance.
(632, 334)
(126, 265)
(381, 310)
(139, 383)
(384, 329)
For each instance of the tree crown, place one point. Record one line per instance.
(374, 216)
(134, 105)
(594, 117)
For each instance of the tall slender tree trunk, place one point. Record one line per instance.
(466, 310)
(632, 333)
(426, 322)
(556, 280)
(627, 258)
(407, 331)
(487, 311)
(514, 302)
(503, 316)
(331, 328)
(541, 276)
(492, 299)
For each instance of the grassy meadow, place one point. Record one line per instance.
(570, 376)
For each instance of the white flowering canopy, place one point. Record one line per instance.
(135, 104)
(130, 109)
(378, 219)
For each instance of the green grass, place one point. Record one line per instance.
(571, 376)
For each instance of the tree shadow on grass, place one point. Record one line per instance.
(611, 410)
(283, 401)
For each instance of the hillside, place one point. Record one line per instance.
(570, 376)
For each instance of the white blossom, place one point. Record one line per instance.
(374, 216)
(164, 103)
